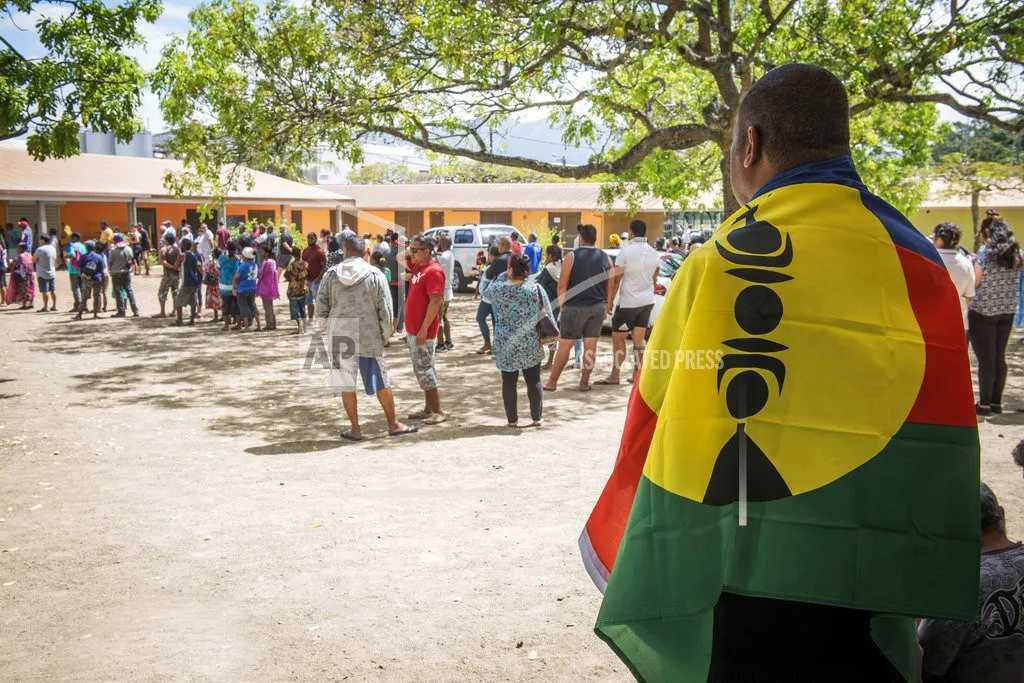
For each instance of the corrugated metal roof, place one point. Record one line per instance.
(101, 176)
(497, 197)
(940, 196)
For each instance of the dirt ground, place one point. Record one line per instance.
(176, 504)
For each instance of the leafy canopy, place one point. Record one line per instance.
(84, 78)
(651, 86)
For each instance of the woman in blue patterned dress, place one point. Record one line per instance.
(518, 305)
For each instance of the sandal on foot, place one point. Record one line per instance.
(410, 429)
(347, 435)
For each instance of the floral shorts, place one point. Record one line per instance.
(423, 361)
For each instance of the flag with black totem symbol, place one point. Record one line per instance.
(829, 456)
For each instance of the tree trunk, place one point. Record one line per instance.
(729, 203)
(976, 217)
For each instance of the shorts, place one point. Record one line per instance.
(373, 372)
(136, 253)
(626, 319)
(283, 260)
(297, 307)
(91, 289)
(186, 296)
(247, 305)
(45, 284)
(581, 321)
(314, 288)
(423, 361)
(168, 283)
(442, 313)
(228, 303)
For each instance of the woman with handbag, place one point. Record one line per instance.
(522, 315)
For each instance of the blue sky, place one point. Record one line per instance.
(20, 30)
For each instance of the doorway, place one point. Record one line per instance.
(436, 219)
(148, 219)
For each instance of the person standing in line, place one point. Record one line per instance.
(76, 250)
(22, 288)
(334, 253)
(228, 266)
(583, 296)
(204, 242)
(144, 247)
(45, 260)
(946, 238)
(3, 268)
(26, 234)
(991, 649)
(500, 263)
(633, 278)
(381, 247)
(354, 300)
(285, 246)
(485, 309)
(446, 259)
(211, 280)
(121, 257)
(296, 274)
(223, 237)
(426, 291)
(13, 235)
(190, 265)
(134, 236)
(266, 287)
(534, 252)
(519, 304)
(244, 289)
(548, 279)
(395, 259)
(169, 258)
(91, 266)
(316, 263)
(515, 246)
(997, 269)
(325, 237)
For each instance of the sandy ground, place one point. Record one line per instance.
(176, 504)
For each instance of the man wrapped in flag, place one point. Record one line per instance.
(785, 511)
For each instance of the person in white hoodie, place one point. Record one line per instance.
(946, 238)
(355, 301)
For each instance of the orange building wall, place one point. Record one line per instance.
(84, 217)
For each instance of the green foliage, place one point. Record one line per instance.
(980, 141)
(84, 79)
(959, 175)
(652, 87)
(446, 170)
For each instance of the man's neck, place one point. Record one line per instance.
(995, 540)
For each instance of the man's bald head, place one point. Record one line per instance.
(800, 115)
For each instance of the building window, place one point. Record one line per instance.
(499, 217)
(297, 220)
(261, 216)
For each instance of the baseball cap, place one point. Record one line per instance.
(118, 237)
(248, 253)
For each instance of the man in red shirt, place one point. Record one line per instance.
(223, 237)
(316, 261)
(426, 290)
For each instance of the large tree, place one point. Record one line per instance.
(652, 86)
(83, 75)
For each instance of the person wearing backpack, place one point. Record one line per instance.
(76, 250)
(91, 266)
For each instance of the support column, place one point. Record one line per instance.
(284, 215)
(222, 215)
(133, 213)
(338, 219)
(42, 230)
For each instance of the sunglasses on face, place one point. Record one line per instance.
(415, 249)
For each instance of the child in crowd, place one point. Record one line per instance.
(297, 276)
(244, 289)
(191, 281)
(211, 278)
(266, 287)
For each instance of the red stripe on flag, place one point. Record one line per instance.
(607, 522)
(946, 396)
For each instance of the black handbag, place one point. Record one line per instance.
(547, 329)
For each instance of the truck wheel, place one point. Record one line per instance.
(459, 283)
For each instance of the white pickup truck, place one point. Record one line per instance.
(469, 245)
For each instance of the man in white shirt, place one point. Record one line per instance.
(204, 242)
(633, 278)
(946, 238)
(446, 258)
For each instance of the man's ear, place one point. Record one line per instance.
(752, 153)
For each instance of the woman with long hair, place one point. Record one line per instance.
(518, 305)
(485, 308)
(22, 288)
(997, 270)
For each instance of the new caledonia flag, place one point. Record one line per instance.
(830, 455)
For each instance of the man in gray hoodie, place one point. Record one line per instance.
(355, 301)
